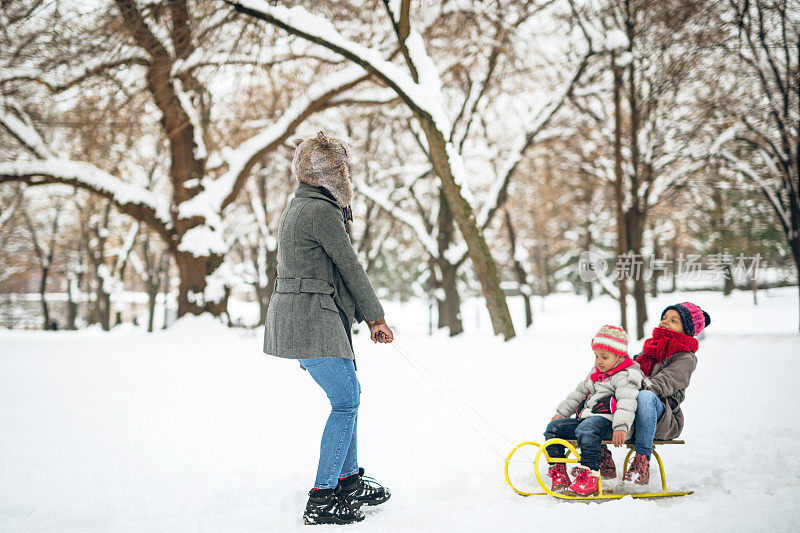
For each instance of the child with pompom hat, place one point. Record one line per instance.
(667, 361)
(605, 403)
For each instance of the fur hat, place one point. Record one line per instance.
(693, 318)
(324, 161)
(612, 339)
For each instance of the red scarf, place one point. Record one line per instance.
(662, 345)
(601, 376)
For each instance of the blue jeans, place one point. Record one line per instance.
(589, 432)
(337, 454)
(649, 410)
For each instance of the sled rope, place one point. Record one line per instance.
(419, 368)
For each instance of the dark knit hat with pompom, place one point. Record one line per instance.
(693, 318)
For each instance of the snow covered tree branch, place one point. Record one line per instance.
(135, 201)
(422, 93)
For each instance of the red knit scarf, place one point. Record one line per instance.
(602, 376)
(662, 345)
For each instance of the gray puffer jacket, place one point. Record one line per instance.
(623, 385)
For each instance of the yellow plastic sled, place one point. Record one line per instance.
(571, 450)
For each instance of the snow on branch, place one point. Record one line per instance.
(368, 96)
(131, 199)
(744, 168)
(724, 138)
(190, 110)
(531, 135)
(424, 97)
(124, 250)
(400, 215)
(263, 57)
(653, 192)
(748, 172)
(9, 211)
(22, 129)
(202, 241)
(220, 193)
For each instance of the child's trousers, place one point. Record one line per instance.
(649, 411)
(589, 432)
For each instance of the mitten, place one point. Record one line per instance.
(606, 406)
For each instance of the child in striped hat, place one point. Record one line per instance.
(605, 404)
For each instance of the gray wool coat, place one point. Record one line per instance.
(321, 287)
(668, 380)
(623, 385)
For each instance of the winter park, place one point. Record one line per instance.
(466, 265)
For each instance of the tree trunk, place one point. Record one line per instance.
(450, 307)
(635, 218)
(639, 296)
(618, 199)
(42, 297)
(103, 303)
(656, 272)
(441, 313)
(45, 258)
(727, 283)
(674, 264)
(479, 253)
(795, 245)
(528, 311)
(588, 243)
(152, 296)
(544, 267)
(519, 271)
(91, 307)
(264, 293)
(72, 305)
(192, 297)
(263, 303)
(635, 222)
(164, 323)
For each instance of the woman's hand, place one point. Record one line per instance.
(556, 417)
(618, 438)
(380, 332)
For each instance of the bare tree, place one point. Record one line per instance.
(420, 88)
(168, 45)
(654, 53)
(762, 42)
(43, 228)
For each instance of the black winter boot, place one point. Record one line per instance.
(359, 490)
(327, 506)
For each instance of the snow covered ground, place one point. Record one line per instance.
(193, 429)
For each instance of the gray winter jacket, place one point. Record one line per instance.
(668, 380)
(623, 385)
(321, 284)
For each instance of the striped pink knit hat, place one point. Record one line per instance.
(693, 318)
(611, 338)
